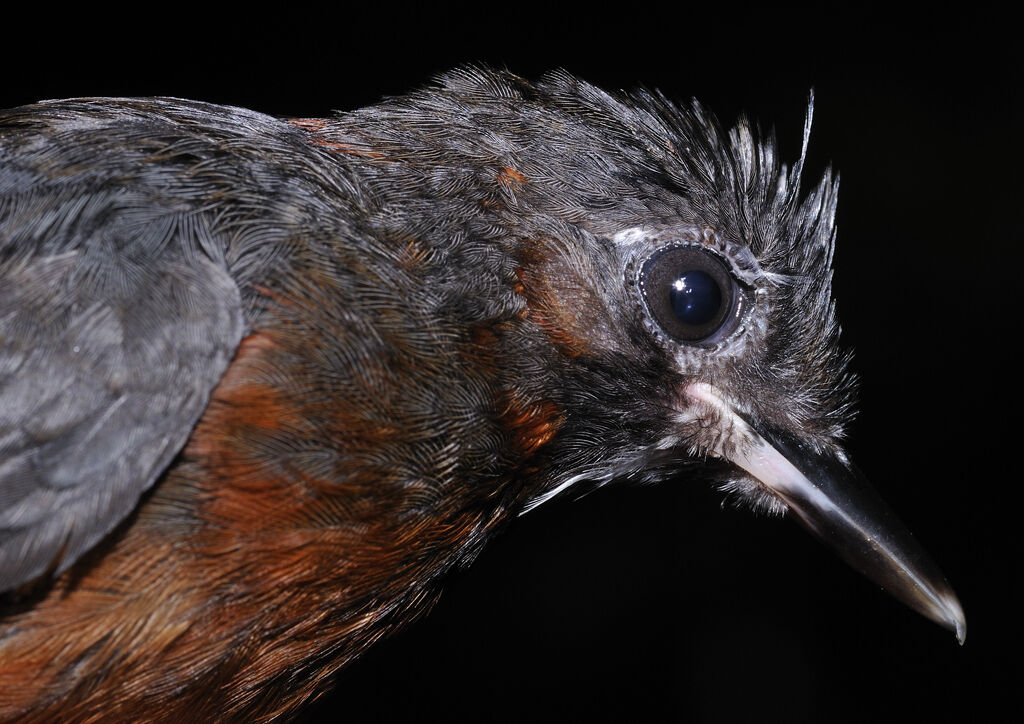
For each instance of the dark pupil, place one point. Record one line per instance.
(695, 297)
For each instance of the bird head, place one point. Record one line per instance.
(672, 301)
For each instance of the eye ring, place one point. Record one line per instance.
(691, 294)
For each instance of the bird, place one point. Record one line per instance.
(266, 382)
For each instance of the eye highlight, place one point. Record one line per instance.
(691, 294)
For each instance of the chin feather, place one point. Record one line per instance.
(743, 492)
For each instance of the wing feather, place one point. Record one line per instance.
(113, 332)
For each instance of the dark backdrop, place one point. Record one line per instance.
(657, 603)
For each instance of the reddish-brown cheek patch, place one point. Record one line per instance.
(558, 302)
(531, 424)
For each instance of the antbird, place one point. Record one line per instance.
(264, 382)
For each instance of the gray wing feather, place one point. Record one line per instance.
(116, 322)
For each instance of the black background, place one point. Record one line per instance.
(657, 603)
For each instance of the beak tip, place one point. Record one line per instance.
(959, 625)
(951, 615)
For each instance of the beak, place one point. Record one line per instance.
(830, 497)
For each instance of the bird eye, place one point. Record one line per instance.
(691, 294)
